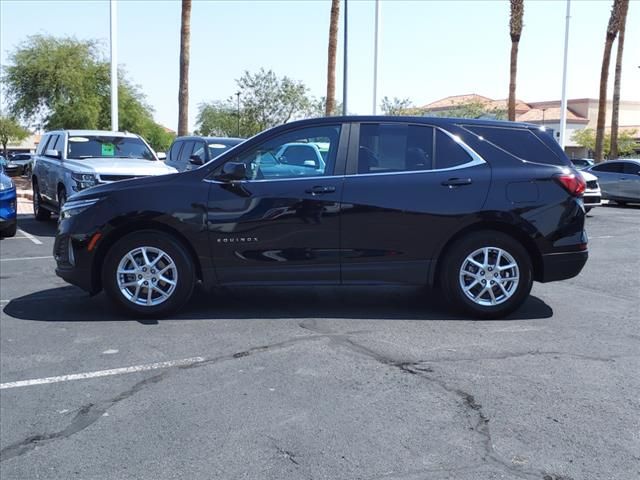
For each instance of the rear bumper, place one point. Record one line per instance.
(560, 266)
(7, 223)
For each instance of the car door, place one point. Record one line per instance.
(279, 225)
(609, 174)
(630, 181)
(46, 178)
(185, 154)
(407, 187)
(55, 172)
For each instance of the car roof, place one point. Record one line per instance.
(414, 119)
(210, 139)
(102, 133)
(624, 160)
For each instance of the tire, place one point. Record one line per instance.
(505, 300)
(165, 298)
(39, 211)
(10, 232)
(622, 203)
(62, 197)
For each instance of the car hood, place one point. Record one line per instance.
(121, 166)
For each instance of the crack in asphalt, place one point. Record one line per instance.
(283, 452)
(426, 372)
(89, 414)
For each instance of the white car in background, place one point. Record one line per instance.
(592, 196)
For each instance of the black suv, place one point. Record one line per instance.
(477, 208)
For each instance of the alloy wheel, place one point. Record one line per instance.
(147, 276)
(489, 276)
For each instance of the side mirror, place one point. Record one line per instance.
(234, 171)
(196, 160)
(52, 154)
(161, 156)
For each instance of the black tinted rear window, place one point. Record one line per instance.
(519, 142)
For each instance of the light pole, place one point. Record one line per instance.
(375, 57)
(238, 97)
(114, 64)
(563, 102)
(344, 63)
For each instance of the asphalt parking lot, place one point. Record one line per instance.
(323, 383)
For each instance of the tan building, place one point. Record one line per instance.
(581, 113)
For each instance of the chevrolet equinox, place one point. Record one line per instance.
(479, 209)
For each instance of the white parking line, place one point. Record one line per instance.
(24, 258)
(102, 373)
(30, 237)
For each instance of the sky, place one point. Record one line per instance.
(429, 49)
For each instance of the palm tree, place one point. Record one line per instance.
(613, 152)
(612, 31)
(515, 30)
(331, 63)
(183, 91)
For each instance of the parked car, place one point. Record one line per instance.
(592, 196)
(619, 180)
(24, 161)
(187, 153)
(69, 161)
(10, 169)
(8, 217)
(477, 208)
(581, 163)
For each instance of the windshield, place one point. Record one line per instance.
(92, 146)
(218, 147)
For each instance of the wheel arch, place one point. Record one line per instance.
(105, 244)
(509, 229)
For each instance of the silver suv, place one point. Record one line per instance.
(68, 161)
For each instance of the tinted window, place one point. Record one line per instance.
(613, 167)
(271, 160)
(185, 153)
(519, 142)
(394, 148)
(218, 147)
(174, 151)
(631, 168)
(448, 152)
(99, 146)
(198, 149)
(42, 146)
(58, 145)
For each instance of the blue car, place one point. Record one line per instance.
(8, 219)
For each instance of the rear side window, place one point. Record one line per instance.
(521, 143)
(613, 167)
(448, 153)
(401, 148)
(185, 154)
(174, 151)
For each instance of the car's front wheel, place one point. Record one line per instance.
(39, 211)
(487, 274)
(148, 274)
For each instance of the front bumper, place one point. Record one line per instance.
(560, 266)
(592, 199)
(73, 262)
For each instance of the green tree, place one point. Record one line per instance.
(396, 106)
(471, 110)
(627, 143)
(65, 83)
(10, 131)
(265, 101)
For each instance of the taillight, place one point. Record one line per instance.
(572, 183)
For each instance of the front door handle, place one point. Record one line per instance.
(319, 190)
(456, 182)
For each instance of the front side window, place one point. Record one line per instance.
(100, 146)
(631, 168)
(185, 153)
(295, 154)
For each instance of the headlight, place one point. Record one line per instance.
(84, 180)
(6, 184)
(74, 207)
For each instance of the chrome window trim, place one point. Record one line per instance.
(476, 159)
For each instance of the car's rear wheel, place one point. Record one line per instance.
(39, 211)
(148, 274)
(487, 274)
(10, 231)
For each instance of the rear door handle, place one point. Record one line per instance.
(320, 190)
(456, 182)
